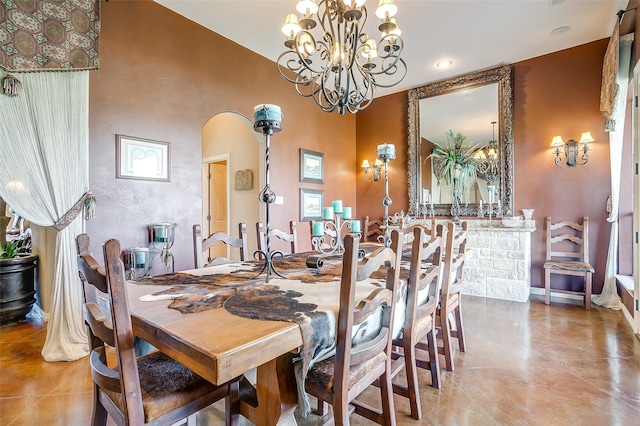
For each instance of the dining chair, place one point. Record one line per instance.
(290, 237)
(372, 230)
(203, 245)
(340, 379)
(455, 254)
(568, 254)
(149, 390)
(419, 329)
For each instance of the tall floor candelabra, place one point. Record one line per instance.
(267, 121)
(385, 153)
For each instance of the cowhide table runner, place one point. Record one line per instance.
(308, 296)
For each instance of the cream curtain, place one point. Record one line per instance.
(44, 173)
(609, 297)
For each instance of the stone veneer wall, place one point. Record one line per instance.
(500, 263)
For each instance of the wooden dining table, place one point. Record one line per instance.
(221, 346)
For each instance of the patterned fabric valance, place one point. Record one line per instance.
(49, 34)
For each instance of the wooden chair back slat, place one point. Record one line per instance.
(123, 331)
(290, 237)
(419, 328)
(454, 258)
(117, 388)
(371, 229)
(567, 253)
(200, 245)
(455, 254)
(374, 353)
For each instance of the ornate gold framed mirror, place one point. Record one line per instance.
(467, 105)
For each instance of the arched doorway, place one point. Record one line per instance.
(231, 147)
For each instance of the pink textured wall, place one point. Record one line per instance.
(556, 94)
(162, 77)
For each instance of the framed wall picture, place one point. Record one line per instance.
(145, 159)
(311, 166)
(311, 201)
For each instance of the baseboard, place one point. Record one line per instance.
(540, 291)
(628, 317)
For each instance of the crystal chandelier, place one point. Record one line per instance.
(340, 67)
(487, 159)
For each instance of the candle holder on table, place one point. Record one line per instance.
(480, 210)
(137, 262)
(161, 237)
(497, 212)
(267, 120)
(385, 153)
(326, 235)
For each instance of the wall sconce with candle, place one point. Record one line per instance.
(572, 150)
(372, 172)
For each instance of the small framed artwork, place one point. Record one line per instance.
(311, 166)
(145, 159)
(311, 201)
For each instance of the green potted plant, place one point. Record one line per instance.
(455, 160)
(17, 280)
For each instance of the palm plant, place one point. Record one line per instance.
(456, 159)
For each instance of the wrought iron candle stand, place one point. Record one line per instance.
(333, 229)
(385, 153)
(161, 236)
(267, 121)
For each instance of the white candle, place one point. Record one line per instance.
(337, 206)
(490, 189)
(327, 213)
(317, 229)
(346, 212)
(480, 205)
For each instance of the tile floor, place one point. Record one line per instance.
(526, 364)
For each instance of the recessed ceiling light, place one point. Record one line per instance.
(446, 63)
(560, 30)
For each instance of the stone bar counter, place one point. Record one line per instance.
(500, 263)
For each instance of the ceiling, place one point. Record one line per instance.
(474, 34)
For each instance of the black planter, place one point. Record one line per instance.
(17, 287)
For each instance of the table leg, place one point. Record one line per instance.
(275, 395)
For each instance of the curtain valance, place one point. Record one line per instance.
(49, 35)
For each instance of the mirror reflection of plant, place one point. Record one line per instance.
(459, 151)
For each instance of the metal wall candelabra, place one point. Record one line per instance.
(161, 237)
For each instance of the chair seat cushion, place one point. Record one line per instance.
(166, 385)
(322, 373)
(568, 265)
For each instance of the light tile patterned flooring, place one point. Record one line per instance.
(526, 364)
